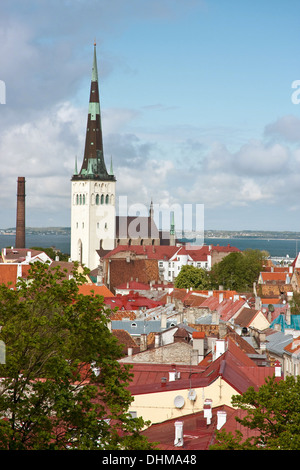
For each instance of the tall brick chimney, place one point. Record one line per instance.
(20, 222)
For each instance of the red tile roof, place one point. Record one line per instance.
(235, 367)
(161, 252)
(197, 434)
(131, 301)
(133, 285)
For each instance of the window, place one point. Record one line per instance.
(102, 199)
(97, 199)
(107, 199)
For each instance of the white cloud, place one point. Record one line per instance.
(42, 150)
(286, 127)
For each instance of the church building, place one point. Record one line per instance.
(96, 229)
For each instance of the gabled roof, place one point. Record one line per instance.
(125, 339)
(246, 317)
(23, 255)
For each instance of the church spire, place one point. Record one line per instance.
(93, 165)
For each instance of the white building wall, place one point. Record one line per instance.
(93, 219)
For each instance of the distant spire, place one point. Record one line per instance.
(111, 166)
(151, 210)
(172, 227)
(172, 230)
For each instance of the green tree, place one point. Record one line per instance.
(62, 385)
(191, 276)
(238, 270)
(273, 412)
(295, 303)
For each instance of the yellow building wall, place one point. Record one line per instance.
(158, 407)
(260, 322)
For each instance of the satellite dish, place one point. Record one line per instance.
(192, 395)
(179, 401)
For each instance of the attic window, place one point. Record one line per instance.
(133, 325)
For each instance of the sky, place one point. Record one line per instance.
(200, 105)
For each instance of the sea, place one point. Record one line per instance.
(281, 248)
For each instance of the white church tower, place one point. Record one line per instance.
(93, 214)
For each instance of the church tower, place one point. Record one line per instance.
(93, 215)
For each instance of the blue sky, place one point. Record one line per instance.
(195, 101)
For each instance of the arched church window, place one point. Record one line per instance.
(97, 199)
(83, 199)
(77, 199)
(80, 199)
(102, 199)
(106, 199)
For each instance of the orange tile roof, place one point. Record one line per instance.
(9, 271)
(267, 277)
(92, 289)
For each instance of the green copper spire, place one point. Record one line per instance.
(111, 167)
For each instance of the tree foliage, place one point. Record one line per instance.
(273, 412)
(238, 270)
(190, 276)
(295, 303)
(62, 386)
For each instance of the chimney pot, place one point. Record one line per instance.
(20, 219)
(221, 419)
(178, 442)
